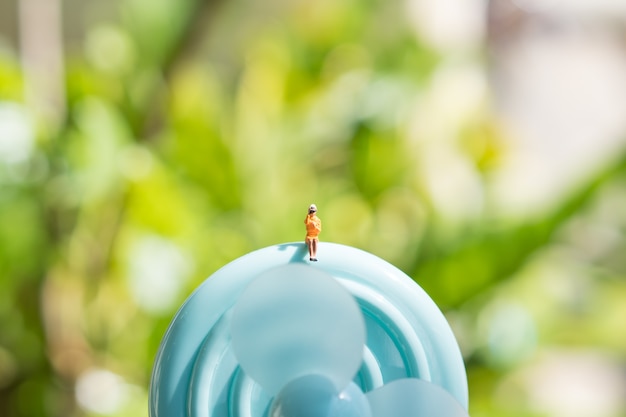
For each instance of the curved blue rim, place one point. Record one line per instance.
(171, 387)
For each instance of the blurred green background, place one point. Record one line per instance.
(480, 146)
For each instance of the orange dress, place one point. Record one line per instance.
(313, 226)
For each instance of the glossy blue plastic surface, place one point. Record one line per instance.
(196, 373)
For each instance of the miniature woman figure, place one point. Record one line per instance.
(313, 229)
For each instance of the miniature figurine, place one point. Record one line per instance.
(313, 229)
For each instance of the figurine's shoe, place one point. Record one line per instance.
(313, 259)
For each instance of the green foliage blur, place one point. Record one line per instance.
(193, 132)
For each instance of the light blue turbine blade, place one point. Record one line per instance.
(412, 397)
(315, 396)
(296, 320)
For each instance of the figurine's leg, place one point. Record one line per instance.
(314, 249)
(309, 244)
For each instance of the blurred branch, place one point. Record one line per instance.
(192, 34)
(41, 52)
(42, 59)
(187, 42)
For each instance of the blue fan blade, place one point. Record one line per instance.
(296, 320)
(413, 397)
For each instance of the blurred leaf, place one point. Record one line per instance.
(457, 274)
(379, 161)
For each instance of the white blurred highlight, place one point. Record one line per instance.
(582, 8)
(508, 331)
(448, 24)
(17, 137)
(563, 103)
(101, 391)
(576, 384)
(158, 270)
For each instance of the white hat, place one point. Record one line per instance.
(312, 207)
